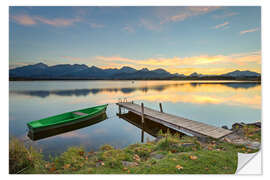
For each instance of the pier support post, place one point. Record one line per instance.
(160, 107)
(142, 106)
(119, 109)
(142, 135)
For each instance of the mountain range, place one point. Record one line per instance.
(81, 71)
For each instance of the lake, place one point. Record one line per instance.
(215, 103)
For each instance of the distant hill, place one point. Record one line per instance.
(81, 71)
(238, 73)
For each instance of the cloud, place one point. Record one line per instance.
(189, 12)
(206, 64)
(150, 25)
(157, 62)
(246, 58)
(129, 29)
(57, 22)
(176, 64)
(24, 20)
(193, 60)
(248, 31)
(27, 20)
(17, 64)
(221, 25)
(228, 14)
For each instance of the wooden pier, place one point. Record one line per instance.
(175, 122)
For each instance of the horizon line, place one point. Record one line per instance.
(126, 66)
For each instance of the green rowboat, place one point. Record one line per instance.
(66, 119)
(56, 131)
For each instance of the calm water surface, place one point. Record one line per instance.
(215, 103)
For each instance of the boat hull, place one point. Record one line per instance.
(62, 125)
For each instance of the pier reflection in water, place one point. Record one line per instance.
(56, 131)
(150, 127)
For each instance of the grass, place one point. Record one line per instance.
(22, 158)
(252, 132)
(169, 155)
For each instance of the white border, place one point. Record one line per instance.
(265, 69)
(249, 165)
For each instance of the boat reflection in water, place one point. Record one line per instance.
(52, 132)
(150, 127)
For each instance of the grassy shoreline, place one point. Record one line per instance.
(169, 154)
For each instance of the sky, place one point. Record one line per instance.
(207, 40)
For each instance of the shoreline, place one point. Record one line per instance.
(168, 154)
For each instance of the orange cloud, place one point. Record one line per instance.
(245, 58)
(24, 20)
(175, 61)
(248, 31)
(57, 21)
(221, 25)
(178, 64)
(32, 20)
(206, 64)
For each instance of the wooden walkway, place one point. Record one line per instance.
(175, 122)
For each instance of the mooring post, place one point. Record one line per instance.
(160, 107)
(142, 112)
